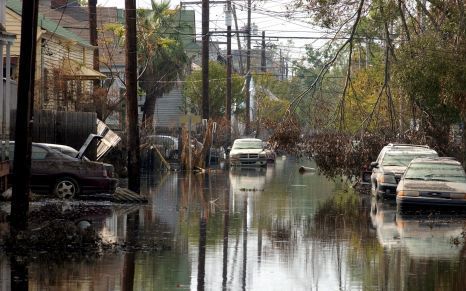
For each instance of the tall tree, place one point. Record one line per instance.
(217, 85)
(162, 56)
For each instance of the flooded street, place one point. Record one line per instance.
(258, 229)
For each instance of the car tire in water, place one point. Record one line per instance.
(66, 188)
(375, 190)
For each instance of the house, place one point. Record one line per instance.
(63, 64)
(75, 18)
(7, 90)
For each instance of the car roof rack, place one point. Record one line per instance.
(452, 159)
(407, 145)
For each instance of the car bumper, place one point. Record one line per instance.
(427, 201)
(248, 162)
(387, 190)
(98, 185)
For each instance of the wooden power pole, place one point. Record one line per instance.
(263, 59)
(131, 97)
(228, 19)
(248, 71)
(93, 37)
(24, 117)
(205, 59)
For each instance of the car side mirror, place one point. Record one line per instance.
(374, 165)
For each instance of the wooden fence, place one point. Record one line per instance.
(61, 127)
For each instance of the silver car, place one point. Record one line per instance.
(434, 182)
(391, 164)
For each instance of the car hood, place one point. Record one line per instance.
(394, 169)
(434, 186)
(246, 151)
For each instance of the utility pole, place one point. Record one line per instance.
(93, 37)
(238, 40)
(205, 59)
(24, 118)
(248, 70)
(131, 96)
(280, 66)
(263, 59)
(286, 70)
(229, 69)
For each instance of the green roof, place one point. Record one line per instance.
(187, 27)
(47, 24)
(186, 21)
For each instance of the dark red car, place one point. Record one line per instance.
(53, 171)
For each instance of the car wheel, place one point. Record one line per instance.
(374, 188)
(66, 188)
(378, 194)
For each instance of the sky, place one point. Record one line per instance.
(268, 15)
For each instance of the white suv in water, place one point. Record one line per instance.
(391, 163)
(248, 152)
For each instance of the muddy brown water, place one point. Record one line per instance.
(257, 229)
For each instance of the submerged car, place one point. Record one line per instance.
(248, 152)
(53, 171)
(167, 145)
(391, 164)
(433, 182)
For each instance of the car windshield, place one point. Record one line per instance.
(250, 144)
(403, 159)
(435, 172)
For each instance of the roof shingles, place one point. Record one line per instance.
(47, 24)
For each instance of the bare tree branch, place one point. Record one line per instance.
(294, 103)
(429, 15)
(402, 8)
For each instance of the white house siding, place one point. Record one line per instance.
(169, 109)
(51, 49)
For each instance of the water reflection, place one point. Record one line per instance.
(19, 274)
(432, 237)
(383, 219)
(247, 179)
(259, 229)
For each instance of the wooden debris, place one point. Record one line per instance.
(124, 195)
(303, 169)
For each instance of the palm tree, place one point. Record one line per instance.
(162, 57)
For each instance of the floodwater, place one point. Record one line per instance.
(258, 229)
